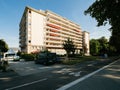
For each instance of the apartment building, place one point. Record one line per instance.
(40, 30)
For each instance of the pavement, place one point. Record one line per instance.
(23, 68)
(106, 78)
(26, 68)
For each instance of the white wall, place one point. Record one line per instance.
(37, 29)
(86, 38)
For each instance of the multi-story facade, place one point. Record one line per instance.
(85, 42)
(46, 30)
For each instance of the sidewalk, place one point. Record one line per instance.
(106, 79)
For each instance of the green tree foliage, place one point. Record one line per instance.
(111, 50)
(69, 46)
(3, 46)
(99, 46)
(103, 45)
(94, 47)
(28, 57)
(19, 53)
(107, 11)
(115, 40)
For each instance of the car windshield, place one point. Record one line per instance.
(9, 55)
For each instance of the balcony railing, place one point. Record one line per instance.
(63, 20)
(54, 46)
(53, 26)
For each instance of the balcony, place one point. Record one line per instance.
(66, 21)
(59, 38)
(54, 46)
(64, 27)
(53, 42)
(53, 26)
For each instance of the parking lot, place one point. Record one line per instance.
(26, 68)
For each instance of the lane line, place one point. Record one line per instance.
(26, 84)
(83, 78)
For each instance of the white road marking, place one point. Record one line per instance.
(83, 78)
(77, 74)
(26, 84)
(63, 71)
(72, 73)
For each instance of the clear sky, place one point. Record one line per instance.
(11, 12)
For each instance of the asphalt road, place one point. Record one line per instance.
(107, 79)
(48, 79)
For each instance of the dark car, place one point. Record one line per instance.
(46, 58)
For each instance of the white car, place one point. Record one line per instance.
(10, 57)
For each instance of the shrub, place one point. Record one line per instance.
(71, 62)
(79, 59)
(28, 57)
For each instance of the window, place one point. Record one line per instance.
(29, 23)
(29, 11)
(29, 41)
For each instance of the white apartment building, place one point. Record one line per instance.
(39, 30)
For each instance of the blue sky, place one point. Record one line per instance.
(11, 12)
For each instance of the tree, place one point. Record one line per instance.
(115, 40)
(111, 50)
(99, 46)
(73, 48)
(94, 47)
(69, 46)
(107, 11)
(103, 45)
(19, 53)
(3, 46)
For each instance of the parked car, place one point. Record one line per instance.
(46, 58)
(10, 56)
(16, 58)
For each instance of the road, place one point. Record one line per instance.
(106, 79)
(48, 79)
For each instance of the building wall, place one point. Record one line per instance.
(86, 38)
(32, 31)
(37, 29)
(23, 33)
(58, 30)
(45, 29)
